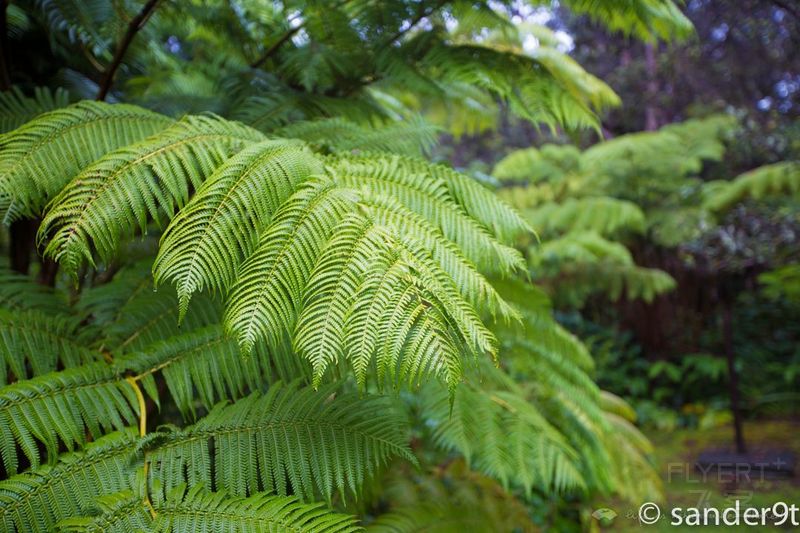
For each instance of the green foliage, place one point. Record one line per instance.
(769, 180)
(312, 441)
(303, 244)
(198, 510)
(16, 109)
(40, 157)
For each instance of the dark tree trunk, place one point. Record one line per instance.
(23, 233)
(652, 115)
(733, 377)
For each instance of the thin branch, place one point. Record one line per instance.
(274, 48)
(134, 26)
(269, 52)
(5, 80)
(421, 15)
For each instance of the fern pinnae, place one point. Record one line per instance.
(207, 513)
(431, 198)
(62, 407)
(114, 196)
(40, 157)
(39, 341)
(320, 326)
(261, 303)
(319, 442)
(38, 500)
(217, 229)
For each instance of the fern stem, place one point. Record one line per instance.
(142, 433)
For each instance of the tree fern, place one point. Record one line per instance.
(38, 500)
(312, 441)
(40, 157)
(218, 228)
(33, 343)
(197, 510)
(112, 197)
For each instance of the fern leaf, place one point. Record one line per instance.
(19, 292)
(262, 301)
(62, 407)
(213, 234)
(16, 109)
(504, 436)
(776, 179)
(36, 501)
(39, 158)
(201, 511)
(113, 197)
(315, 441)
(33, 343)
(606, 216)
(412, 138)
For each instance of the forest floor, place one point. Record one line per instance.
(685, 486)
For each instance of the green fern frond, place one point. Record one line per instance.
(262, 300)
(120, 512)
(153, 316)
(218, 228)
(19, 292)
(39, 158)
(16, 109)
(33, 343)
(606, 216)
(113, 197)
(505, 436)
(200, 511)
(201, 366)
(463, 210)
(36, 501)
(415, 137)
(63, 407)
(646, 19)
(768, 180)
(312, 441)
(548, 163)
(449, 498)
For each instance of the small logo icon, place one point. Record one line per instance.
(605, 516)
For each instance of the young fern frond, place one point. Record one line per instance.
(114, 196)
(39, 158)
(36, 501)
(200, 511)
(33, 343)
(219, 227)
(314, 442)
